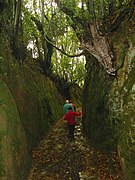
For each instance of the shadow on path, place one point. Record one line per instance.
(56, 158)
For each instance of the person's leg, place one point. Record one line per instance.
(72, 131)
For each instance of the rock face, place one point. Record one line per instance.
(29, 105)
(109, 102)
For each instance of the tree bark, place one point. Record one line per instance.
(94, 34)
(17, 15)
(92, 40)
(100, 48)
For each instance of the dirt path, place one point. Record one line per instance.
(56, 158)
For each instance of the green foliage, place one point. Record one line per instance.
(56, 20)
(71, 69)
(57, 27)
(96, 8)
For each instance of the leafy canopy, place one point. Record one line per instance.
(56, 26)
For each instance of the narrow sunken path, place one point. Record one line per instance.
(56, 158)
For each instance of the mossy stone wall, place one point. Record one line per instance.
(29, 105)
(109, 102)
(14, 152)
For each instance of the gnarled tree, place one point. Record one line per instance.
(93, 22)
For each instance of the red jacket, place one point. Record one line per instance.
(70, 117)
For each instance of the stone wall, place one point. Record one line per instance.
(109, 102)
(29, 105)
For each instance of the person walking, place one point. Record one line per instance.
(70, 117)
(66, 106)
(73, 105)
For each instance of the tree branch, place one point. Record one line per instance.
(40, 28)
(17, 14)
(63, 52)
(73, 16)
(117, 22)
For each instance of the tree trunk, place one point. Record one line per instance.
(17, 14)
(94, 34)
(93, 41)
(111, 7)
(100, 48)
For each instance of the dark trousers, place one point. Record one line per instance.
(71, 131)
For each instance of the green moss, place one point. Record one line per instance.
(37, 110)
(29, 105)
(122, 54)
(130, 81)
(109, 102)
